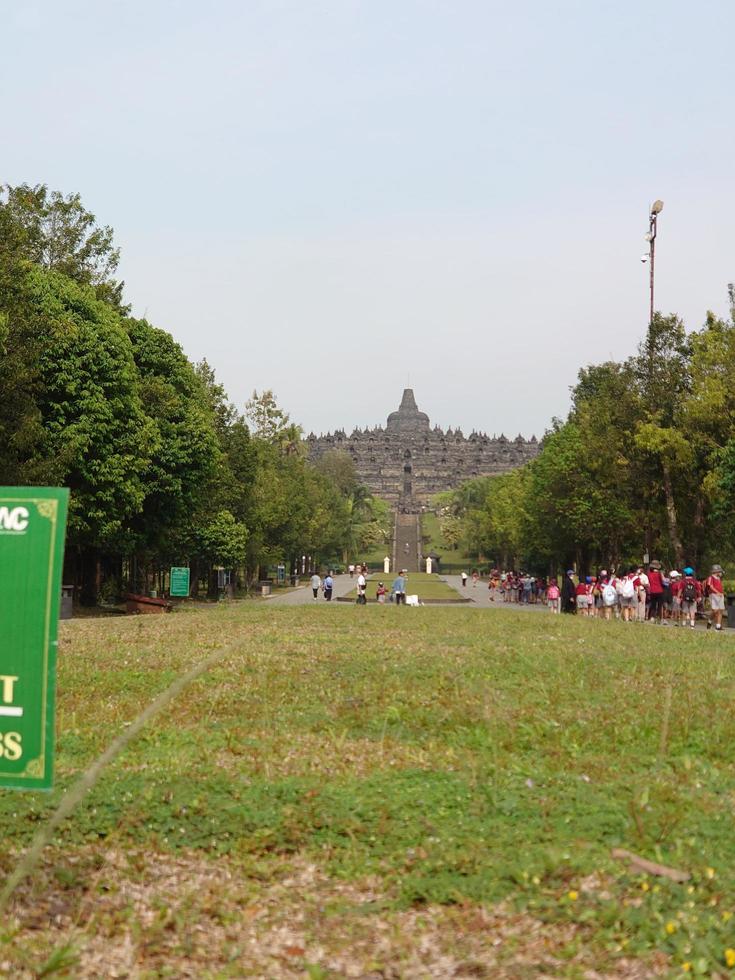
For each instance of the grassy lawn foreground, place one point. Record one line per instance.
(435, 794)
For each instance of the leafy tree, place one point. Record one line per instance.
(56, 232)
(82, 423)
(185, 453)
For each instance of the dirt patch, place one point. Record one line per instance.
(135, 914)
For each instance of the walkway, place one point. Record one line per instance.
(481, 595)
(303, 596)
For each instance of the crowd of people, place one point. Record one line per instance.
(636, 594)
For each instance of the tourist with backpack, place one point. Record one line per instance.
(582, 598)
(691, 593)
(628, 598)
(716, 592)
(327, 586)
(609, 595)
(553, 596)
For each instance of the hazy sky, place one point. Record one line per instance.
(324, 197)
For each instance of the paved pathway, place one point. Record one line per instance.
(481, 595)
(303, 595)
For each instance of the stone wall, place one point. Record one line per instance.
(409, 460)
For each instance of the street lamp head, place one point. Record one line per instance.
(648, 237)
(657, 207)
(644, 258)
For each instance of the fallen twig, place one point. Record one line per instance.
(642, 864)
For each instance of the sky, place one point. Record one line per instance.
(336, 199)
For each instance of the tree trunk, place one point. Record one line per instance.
(671, 516)
(699, 528)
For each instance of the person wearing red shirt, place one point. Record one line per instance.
(716, 592)
(677, 586)
(582, 598)
(655, 591)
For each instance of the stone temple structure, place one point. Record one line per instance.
(409, 460)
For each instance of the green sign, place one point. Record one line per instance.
(179, 581)
(32, 528)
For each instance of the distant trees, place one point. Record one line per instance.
(645, 462)
(163, 469)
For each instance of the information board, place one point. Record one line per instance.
(179, 585)
(32, 530)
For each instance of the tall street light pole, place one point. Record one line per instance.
(656, 209)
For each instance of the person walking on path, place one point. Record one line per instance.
(641, 591)
(316, 584)
(655, 592)
(399, 588)
(691, 593)
(328, 586)
(568, 593)
(716, 592)
(361, 588)
(628, 598)
(582, 597)
(380, 593)
(552, 596)
(475, 577)
(464, 579)
(609, 595)
(676, 586)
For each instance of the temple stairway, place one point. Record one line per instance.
(406, 542)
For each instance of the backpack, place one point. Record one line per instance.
(690, 591)
(609, 595)
(628, 590)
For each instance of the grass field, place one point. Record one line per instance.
(429, 795)
(452, 559)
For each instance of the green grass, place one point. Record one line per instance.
(427, 587)
(397, 767)
(453, 559)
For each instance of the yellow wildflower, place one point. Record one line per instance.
(645, 886)
(726, 915)
(573, 896)
(686, 966)
(710, 872)
(730, 957)
(671, 927)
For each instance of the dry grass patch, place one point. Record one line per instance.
(134, 914)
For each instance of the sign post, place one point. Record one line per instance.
(32, 530)
(179, 585)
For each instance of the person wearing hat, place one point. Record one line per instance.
(380, 592)
(568, 593)
(715, 590)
